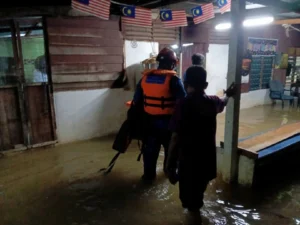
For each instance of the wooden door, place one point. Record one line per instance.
(27, 93)
(11, 121)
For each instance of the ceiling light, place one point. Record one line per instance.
(187, 44)
(248, 23)
(174, 46)
(223, 26)
(258, 21)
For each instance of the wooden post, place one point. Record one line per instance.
(180, 72)
(236, 48)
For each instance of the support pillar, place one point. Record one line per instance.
(236, 49)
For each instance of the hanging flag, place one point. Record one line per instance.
(98, 8)
(224, 5)
(173, 18)
(136, 16)
(203, 13)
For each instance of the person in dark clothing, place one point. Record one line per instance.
(158, 91)
(192, 152)
(197, 60)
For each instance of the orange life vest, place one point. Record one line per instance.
(158, 99)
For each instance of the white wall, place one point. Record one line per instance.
(134, 57)
(86, 114)
(82, 115)
(217, 67)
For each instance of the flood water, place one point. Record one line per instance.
(62, 186)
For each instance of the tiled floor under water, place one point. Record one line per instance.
(61, 186)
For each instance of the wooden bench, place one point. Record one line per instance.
(265, 143)
(259, 147)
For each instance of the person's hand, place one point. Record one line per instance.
(231, 90)
(172, 176)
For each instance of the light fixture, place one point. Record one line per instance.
(9, 35)
(187, 44)
(258, 21)
(223, 26)
(253, 22)
(174, 46)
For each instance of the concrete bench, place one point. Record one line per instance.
(262, 148)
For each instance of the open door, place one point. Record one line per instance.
(26, 105)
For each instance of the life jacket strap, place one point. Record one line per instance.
(162, 100)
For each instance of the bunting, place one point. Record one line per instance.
(98, 8)
(203, 13)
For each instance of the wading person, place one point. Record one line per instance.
(158, 91)
(197, 60)
(192, 151)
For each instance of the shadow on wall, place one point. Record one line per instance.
(82, 115)
(134, 74)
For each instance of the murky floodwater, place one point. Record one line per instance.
(61, 186)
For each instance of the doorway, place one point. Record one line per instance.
(27, 117)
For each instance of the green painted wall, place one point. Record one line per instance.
(31, 49)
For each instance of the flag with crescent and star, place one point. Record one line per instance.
(176, 18)
(136, 16)
(98, 8)
(224, 5)
(203, 13)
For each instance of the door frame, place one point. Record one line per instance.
(21, 84)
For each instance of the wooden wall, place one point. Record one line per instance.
(10, 120)
(85, 52)
(156, 33)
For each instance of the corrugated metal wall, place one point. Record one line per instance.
(157, 33)
(85, 52)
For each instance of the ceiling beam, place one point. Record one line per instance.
(258, 12)
(278, 4)
(287, 21)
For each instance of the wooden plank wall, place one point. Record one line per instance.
(156, 33)
(11, 133)
(85, 52)
(38, 112)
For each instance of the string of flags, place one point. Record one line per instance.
(138, 16)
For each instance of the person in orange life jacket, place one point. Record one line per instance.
(197, 60)
(158, 90)
(192, 152)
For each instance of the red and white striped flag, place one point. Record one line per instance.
(175, 18)
(136, 16)
(203, 13)
(98, 8)
(224, 5)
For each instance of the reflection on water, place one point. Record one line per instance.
(62, 186)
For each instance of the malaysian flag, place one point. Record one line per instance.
(171, 18)
(203, 13)
(136, 16)
(98, 8)
(224, 5)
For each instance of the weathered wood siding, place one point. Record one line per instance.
(10, 120)
(85, 52)
(38, 110)
(156, 33)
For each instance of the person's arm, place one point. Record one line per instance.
(172, 159)
(177, 88)
(173, 151)
(221, 103)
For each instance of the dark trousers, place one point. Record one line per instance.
(191, 189)
(151, 149)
